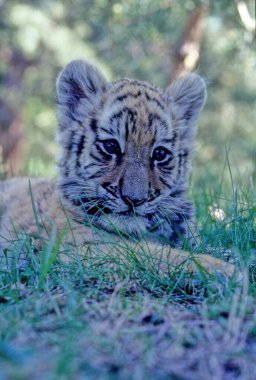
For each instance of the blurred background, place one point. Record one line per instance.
(155, 41)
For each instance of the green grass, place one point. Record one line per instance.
(115, 316)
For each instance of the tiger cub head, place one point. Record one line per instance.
(125, 150)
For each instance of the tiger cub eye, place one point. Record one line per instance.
(160, 154)
(112, 147)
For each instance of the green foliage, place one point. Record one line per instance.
(118, 316)
(132, 39)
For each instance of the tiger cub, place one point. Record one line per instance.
(125, 153)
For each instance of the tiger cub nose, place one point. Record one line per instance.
(133, 202)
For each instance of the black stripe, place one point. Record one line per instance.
(185, 214)
(96, 175)
(104, 154)
(170, 141)
(76, 146)
(127, 128)
(116, 116)
(179, 166)
(93, 124)
(64, 187)
(175, 135)
(133, 128)
(69, 145)
(176, 193)
(168, 169)
(97, 158)
(85, 167)
(154, 100)
(89, 208)
(126, 95)
(153, 116)
(109, 131)
(182, 162)
(80, 145)
(178, 234)
(131, 112)
(91, 86)
(165, 182)
(68, 184)
(150, 120)
(153, 228)
(184, 153)
(145, 85)
(167, 141)
(62, 126)
(124, 82)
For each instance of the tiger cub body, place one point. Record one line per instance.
(125, 152)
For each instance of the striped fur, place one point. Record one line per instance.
(130, 189)
(124, 163)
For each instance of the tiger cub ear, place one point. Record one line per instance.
(78, 87)
(186, 98)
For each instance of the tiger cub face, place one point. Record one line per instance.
(125, 150)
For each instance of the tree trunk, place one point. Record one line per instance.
(186, 51)
(11, 151)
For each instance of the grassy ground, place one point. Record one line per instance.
(95, 320)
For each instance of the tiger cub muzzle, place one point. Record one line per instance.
(133, 183)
